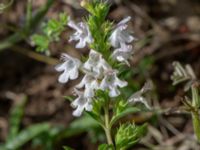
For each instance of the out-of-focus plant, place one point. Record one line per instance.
(186, 74)
(17, 138)
(3, 6)
(41, 135)
(100, 93)
(31, 22)
(51, 32)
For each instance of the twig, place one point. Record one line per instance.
(36, 56)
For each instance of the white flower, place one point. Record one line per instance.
(82, 34)
(123, 53)
(111, 82)
(137, 96)
(81, 103)
(90, 83)
(96, 64)
(120, 35)
(69, 68)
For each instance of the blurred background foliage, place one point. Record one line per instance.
(33, 111)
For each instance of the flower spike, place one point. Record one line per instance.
(96, 64)
(90, 84)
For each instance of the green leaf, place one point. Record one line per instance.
(26, 135)
(105, 147)
(124, 113)
(80, 125)
(47, 139)
(15, 119)
(55, 27)
(69, 98)
(50, 32)
(128, 134)
(95, 117)
(63, 18)
(41, 41)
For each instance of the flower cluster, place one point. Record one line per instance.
(98, 73)
(120, 39)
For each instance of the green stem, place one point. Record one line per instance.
(195, 115)
(196, 124)
(107, 126)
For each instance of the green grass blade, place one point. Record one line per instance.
(15, 118)
(26, 135)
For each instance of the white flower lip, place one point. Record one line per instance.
(120, 35)
(90, 84)
(123, 53)
(82, 34)
(111, 82)
(81, 103)
(70, 68)
(96, 64)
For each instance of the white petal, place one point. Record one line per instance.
(88, 107)
(104, 85)
(114, 38)
(64, 77)
(60, 67)
(120, 35)
(120, 83)
(73, 74)
(82, 83)
(142, 100)
(72, 24)
(81, 43)
(87, 65)
(89, 92)
(124, 21)
(105, 65)
(114, 92)
(70, 67)
(82, 34)
(78, 112)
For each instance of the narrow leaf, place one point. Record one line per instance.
(26, 135)
(123, 114)
(15, 119)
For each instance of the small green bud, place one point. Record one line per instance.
(128, 134)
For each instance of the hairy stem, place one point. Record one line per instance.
(107, 127)
(196, 124)
(195, 115)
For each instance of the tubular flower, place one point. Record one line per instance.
(138, 97)
(81, 103)
(90, 83)
(111, 82)
(82, 34)
(123, 53)
(96, 64)
(120, 35)
(69, 68)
